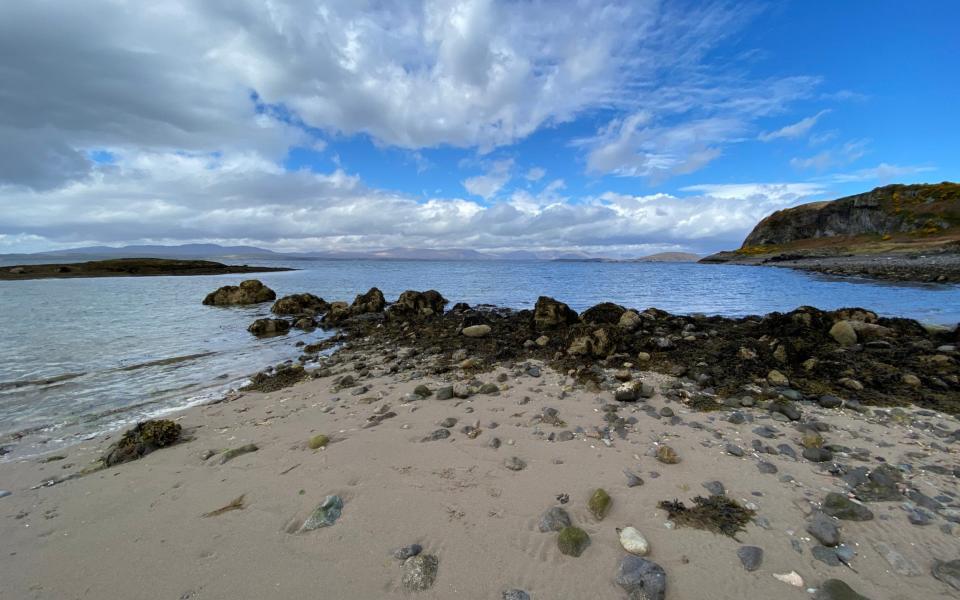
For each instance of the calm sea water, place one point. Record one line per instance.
(82, 356)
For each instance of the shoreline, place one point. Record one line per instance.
(462, 440)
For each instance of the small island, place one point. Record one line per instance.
(129, 267)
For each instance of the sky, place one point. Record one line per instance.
(611, 128)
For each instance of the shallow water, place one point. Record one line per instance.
(81, 356)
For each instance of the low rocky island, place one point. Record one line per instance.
(423, 451)
(128, 267)
(896, 232)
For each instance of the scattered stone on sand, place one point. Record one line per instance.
(423, 391)
(767, 468)
(824, 529)
(143, 439)
(715, 488)
(5, 493)
(439, 434)
(515, 595)
(733, 450)
(599, 504)
(235, 452)
(554, 519)
(817, 455)
(515, 464)
(751, 557)
(667, 455)
(900, 564)
(318, 441)
(420, 572)
(572, 541)
(324, 515)
(948, 572)
(642, 579)
(834, 589)
(845, 509)
(632, 479)
(828, 556)
(633, 541)
(251, 291)
(445, 392)
(407, 551)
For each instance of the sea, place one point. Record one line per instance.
(81, 357)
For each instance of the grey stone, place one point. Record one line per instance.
(407, 551)
(632, 480)
(826, 555)
(834, 589)
(439, 434)
(642, 579)
(787, 450)
(948, 572)
(715, 488)
(901, 564)
(5, 493)
(419, 572)
(554, 519)
(444, 393)
(830, 402)
(824, 529)
(817, 454)
(448, 422)
(766, 431)
(918, 516)
(734, 450)
(767, 468)
(751, 557)
(516, 595)
(514, 464)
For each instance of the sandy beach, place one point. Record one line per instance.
(139, 530)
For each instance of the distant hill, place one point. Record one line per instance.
(889, 219)
(669, 257)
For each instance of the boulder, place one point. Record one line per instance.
(642, 579)
(630, 320)
(142, 440)
(596, 345)
(337, 312)
(476, 331)
(844, 333)
(370, 302)
(549, 313)
(267, 327)
(605, 313)
(251, 291)
(300, 304)
(413, 304)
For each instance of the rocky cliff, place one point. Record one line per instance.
(893, 210)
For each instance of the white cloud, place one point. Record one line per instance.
(170, 197)
(486, 186)
(794, 130)
(535, 174)
(846, 154)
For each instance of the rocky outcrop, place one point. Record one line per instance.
(550, 313)
(890, 210)
(371, 302)
(300, 304)
(268, 327)
(251, 291)
(605, 313)
(413, 304)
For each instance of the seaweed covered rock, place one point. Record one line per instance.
(605, 313)
(336, 313)
(251, 291)
(276, 379)
(549, 313)
(143, 439)
(572, 541)
(597, 344)
(413, 304)
(268, 327)
(599, 504)
(300, 304)
(370, 302)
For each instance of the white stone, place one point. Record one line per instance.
(634, 542)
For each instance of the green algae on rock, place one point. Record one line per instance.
(318, 441)
(572, 541)
(143, 439)
(599, 504)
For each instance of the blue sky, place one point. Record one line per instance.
(617, 128)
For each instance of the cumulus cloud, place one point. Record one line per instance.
(486, 186)
(794, 130)
(244, 198)
(535, 174)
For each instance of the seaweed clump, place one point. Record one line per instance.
(718, 514)
(143, 439)
(282, 377)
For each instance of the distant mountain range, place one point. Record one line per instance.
(215, 251)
